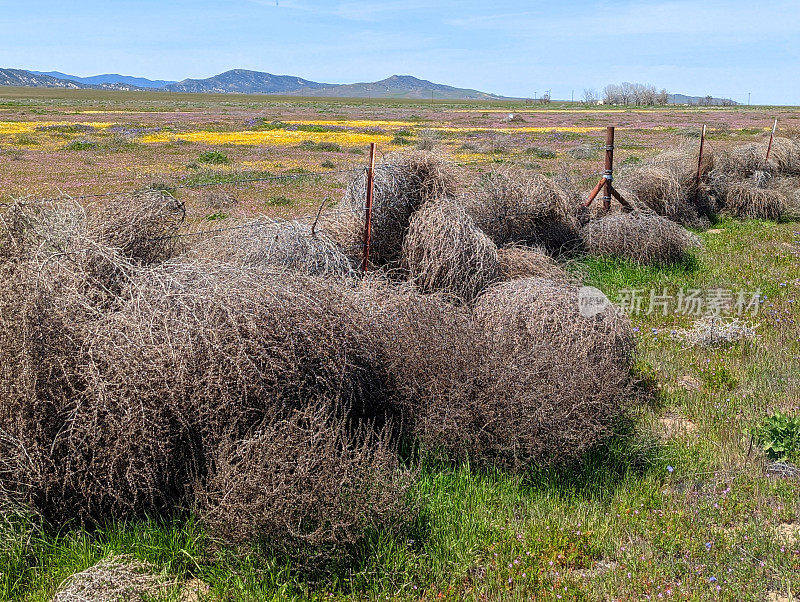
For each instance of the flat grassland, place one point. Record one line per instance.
(679, 504)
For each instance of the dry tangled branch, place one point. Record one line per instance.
(140, 226)
(784, 157)
(525, 380)
(444, 251)
(740, 162)
(748, 200)
(566, 384)
(54, 281)
(667, 185)
(530, 209)
(712, 331)
(641, 237)
(115, 579)
(308, 486)
(265, 242)
(527, 262)
(198, 354)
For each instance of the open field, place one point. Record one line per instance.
(85, 142)
(680, 503)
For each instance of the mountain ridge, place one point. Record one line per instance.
(109, 78)
(244, 81)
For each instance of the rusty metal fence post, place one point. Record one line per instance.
(700, 163)
(606, 182)
(368, 212)
(771, 138)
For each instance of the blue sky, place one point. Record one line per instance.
(725, 48)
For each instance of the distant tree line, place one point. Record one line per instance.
(627, 93)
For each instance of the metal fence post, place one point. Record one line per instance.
(771, 138)
(700, 163)
(368, 212)
(606, 182)
(608, 168)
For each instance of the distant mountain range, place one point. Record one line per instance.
(109, 78)
(242, 81)
(709, 101)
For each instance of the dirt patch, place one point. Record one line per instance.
(676, 426)
(715, 230)
(789, 532)
(195, 590)
(689, 383)
(601, 567)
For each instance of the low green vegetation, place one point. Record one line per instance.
(80, 145)
(779, 436)
(213, 158)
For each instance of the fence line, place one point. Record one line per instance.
(235, 182)
(366, 208)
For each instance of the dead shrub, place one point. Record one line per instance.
(526, 262)
(682, 163)
(784, 157)
(265, 242)
(115, 579)
(713, 331)
(530, 209)
(741, 161)
(566, 383)
(746, 199)
(642, 237)
(54, 281)
(524, 380)
(584, 152)
(115, 413)
(431, 353)
(140, 226)
(220, 200)
(790, 187)
(667, 193)
(308, 486)
(199, 354)
(404, 182)
(444, 251)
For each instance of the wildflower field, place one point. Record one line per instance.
(686, 501)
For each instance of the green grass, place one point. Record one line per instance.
(688, 515)
(213, 158)
(80, 145)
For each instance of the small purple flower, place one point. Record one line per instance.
(708, 545)
(670, 469)
(712, 579)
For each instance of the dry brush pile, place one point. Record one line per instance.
(514, 207)
(250, 377)
(667, 185)
(645, 238)
(747, 185)
(403, 183)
